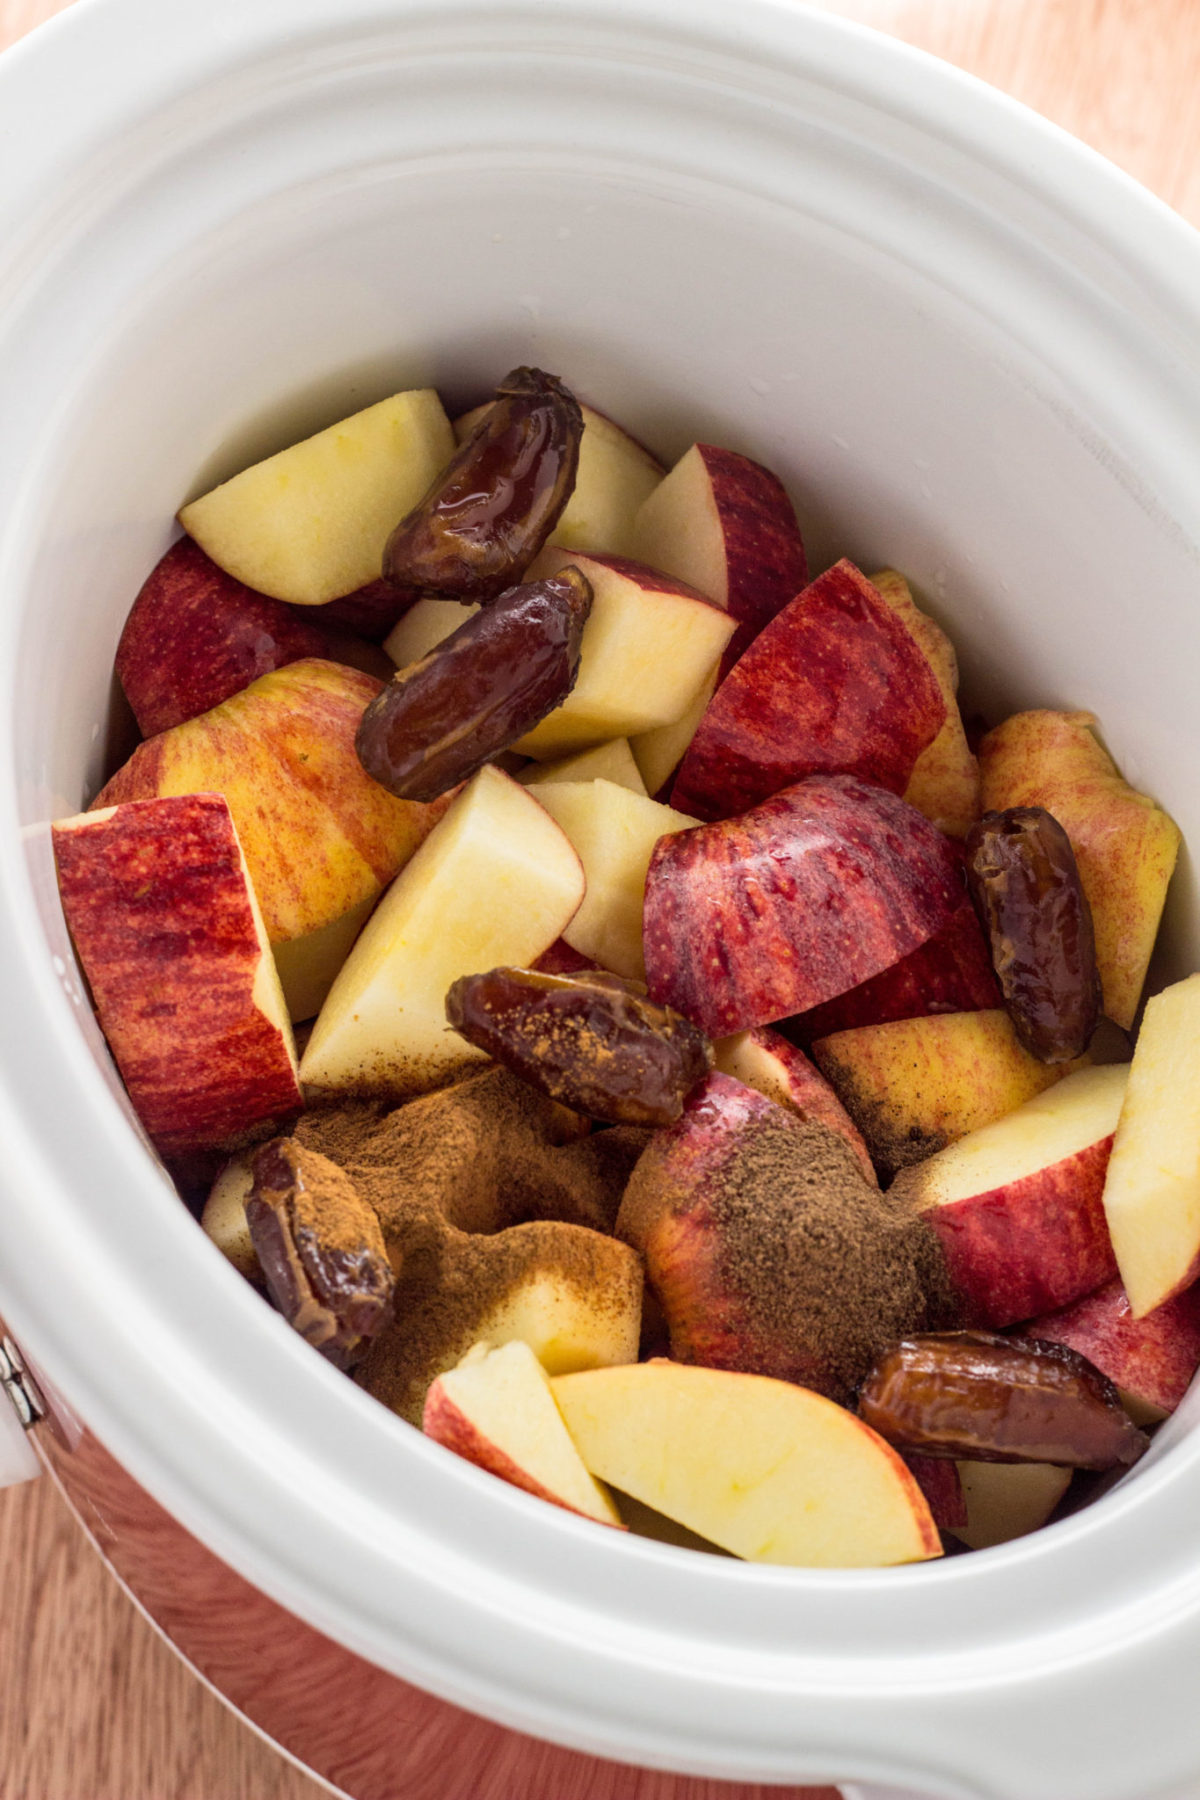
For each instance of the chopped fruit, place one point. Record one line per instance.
(615, 475)
(752, 919)
(320, 1250)
(1151, 1360)
(307, 965)
(643, 1521)
(917, 1085)
(836, 684)
(939, 1481)
(321, 838)
(607, 762)
(658, 753)
(593, 1042)
(476, 692)
(423, 627)
(725, 525)
(488, 513)
(310, 523)
(224, 1215)
(1025, 884)
(497, 1409)
(767, 1470)
(1124, 844)
(1007, 1500)
(944, 784)
(195, 636)
(615, 833)
(767, 1062)
(1152, 1194)
(648, 648)
(768, 1249)
(995, 1399)
(496, 882)
(1017, 1204)
(161, 908)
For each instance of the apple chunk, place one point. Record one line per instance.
(497, 1409)
(658, 753)
(160, 906)
(422, 629)
(1151, 1359)
(1152, 1194)
(767, 1470)
(767, 1062)
(607, 762)
(1017, 1204)
(950, 972)
(310, 523)
(1007, 1500)
(495, 882)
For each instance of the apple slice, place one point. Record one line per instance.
(917, 1085)
(310, 523)
(648, 647)
(161, 908)
(725, 525)
(422, 629)
(224, 1216)
(1151, 1359)
(825, 884)
(497, 1410)
(1017, 1204)
(1007, 1500)
(1152, 1194)
(939, 1481)
(495, 882)
(615, 832)
(835, 684)
(1124, 844)
(607, 762)
(658, 753)
(767, 1470)
(767, 1062)
(615, 475)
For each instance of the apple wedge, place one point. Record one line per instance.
(768, 1063)
(1017, 1204)
(422, 629)
(495, 882)
(1007, 1500)
(1152, 1194)
(162, 912)
(658, 753)
(835, 684)
(1152, 1359)
(497, 1409)
(224, 1216)
(725, 525)
(752, 919)
(310, 523)
(1124, 844)
(767, 1470)
(607, 762)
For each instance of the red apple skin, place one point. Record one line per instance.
(561, 959)
(194, 636)
(159, 907)
(951, 972)
(754, 919)
(1152, 1358)
(370, 612)
(835, 684)
(764, 552)
(805, 1090)
(449, 1426)
(939, 1480)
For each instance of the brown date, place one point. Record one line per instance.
(592, 1041)
(1026, 890)
(477, 691)
(321, 1250)
(985, 1398)
(495, 504)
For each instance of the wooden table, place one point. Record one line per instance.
(92, 1705)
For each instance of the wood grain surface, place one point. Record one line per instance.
(93, 1706)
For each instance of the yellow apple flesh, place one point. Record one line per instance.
(658, 753)
(422, 629)
(1007, 1500)
(607, 762)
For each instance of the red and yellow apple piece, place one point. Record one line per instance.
(1151, 1359)
(765, 1469)
(769, 1063)
(939, 1481)
(495, 883)
(310, 523)
(752, 919)
(835, 684)
(497, 1409)
(1124, 844)
(1017, 1206)
(161, 908)
(1007, 1500)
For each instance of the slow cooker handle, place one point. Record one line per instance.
(21, 1407)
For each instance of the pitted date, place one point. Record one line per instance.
(321, 1250)
(1026, 890)
(490, 511)
(477, 691)
(985, 1398)
(592, 1041)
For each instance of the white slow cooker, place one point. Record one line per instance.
(971, 349)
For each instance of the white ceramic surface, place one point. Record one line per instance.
(968, 346)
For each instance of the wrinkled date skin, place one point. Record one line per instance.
(1025, 887)
(490, 511)
(986, 1398)
(477, 691)
(592, 1041)
(321, 1251)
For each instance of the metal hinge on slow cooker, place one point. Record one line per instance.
(19, 1385)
